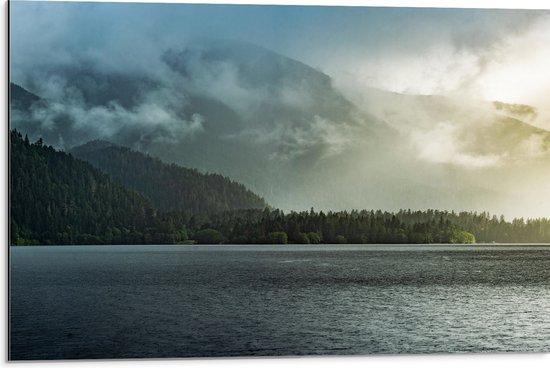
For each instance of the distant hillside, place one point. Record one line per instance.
(21, 98)
(168, 187)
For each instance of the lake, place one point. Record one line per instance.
(84, 302)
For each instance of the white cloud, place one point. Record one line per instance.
(441, 145)
(522, 75)
(158, 118)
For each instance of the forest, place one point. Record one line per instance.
(58, 199)
(168, 186)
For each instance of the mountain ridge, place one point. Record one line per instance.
(292, 134)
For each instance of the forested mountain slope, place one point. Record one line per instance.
(57, 199)
(168, 186)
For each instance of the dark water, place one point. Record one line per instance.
(185, 301)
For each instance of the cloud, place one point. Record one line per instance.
(68, 120)
(521, 74)
(483, 53)
(291, 140)
(217, 79)
(325, 137)
(426, 51)
(441, 145)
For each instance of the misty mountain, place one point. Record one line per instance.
(168, 187)
(200, 108)
(289, 134)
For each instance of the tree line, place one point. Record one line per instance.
(374, 227)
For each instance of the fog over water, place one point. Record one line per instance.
(325, 107)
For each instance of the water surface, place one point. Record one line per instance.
(187, 301)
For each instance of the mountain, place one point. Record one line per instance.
(57, 199)
(255, 116)
(294, 136)
(20, 98)
(168, 187)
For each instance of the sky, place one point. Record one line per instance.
(492, 54)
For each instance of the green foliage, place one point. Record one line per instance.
(461, 237)
(208, 236)
(277, 237)
(314, 238)
(377, 227)
(57, 199)
(340, 239)
(302, 238)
